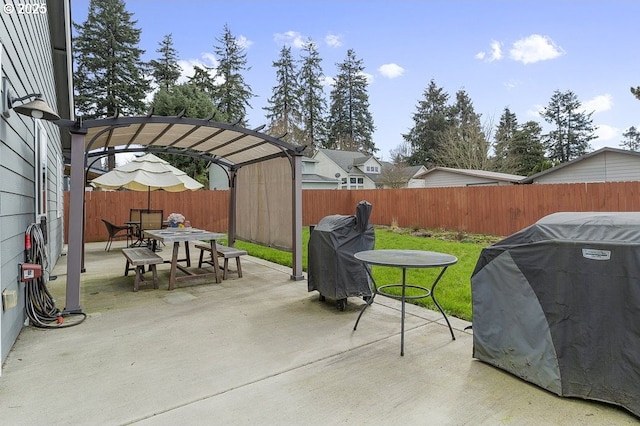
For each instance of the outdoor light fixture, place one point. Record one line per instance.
(37, 108)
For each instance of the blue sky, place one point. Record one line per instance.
(502, 53)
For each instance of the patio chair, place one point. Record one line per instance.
(115, 233)
(150, 219)
(134, 221)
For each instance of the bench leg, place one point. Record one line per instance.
(200, 259)
(155, 275)
(126, 269)
(239, 267)
(139, 272)
(225, 270)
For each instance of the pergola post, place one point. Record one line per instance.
(76, 221)
(231, 225)
(296, 221)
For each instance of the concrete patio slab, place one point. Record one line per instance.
(259, 350)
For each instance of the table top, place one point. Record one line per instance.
(406, 258)
(171, 235)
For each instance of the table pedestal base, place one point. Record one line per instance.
(425, 292)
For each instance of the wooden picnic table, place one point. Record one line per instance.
(186, 235)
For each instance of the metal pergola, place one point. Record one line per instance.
(227, 145)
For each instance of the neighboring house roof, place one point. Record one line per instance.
(411, 171)
(600, 151)
(504, 177)
(317, 178)
(398, 174)
(407, 172)
(346, 160)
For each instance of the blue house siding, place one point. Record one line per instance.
(27, 67)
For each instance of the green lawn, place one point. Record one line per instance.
(454, 290)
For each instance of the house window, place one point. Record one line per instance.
(352, 183)
(355, 183)
(41, 171)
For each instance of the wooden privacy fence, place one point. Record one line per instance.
(497, 210)
(204, 209)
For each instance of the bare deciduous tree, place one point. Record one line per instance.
(466, 150)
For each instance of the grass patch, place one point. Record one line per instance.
(454, 289)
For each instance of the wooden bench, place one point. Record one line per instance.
(225, 252)
(138, 258)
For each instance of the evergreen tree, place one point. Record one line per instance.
(203, 79)
(233, 94)
(166, 70)
(284, 110)
(110, 75)
(505, 132)
(185, 97)
(573, 127)
(464, 145)
(350, 122)
(525, 151)
(631, 139)
(313, 102)
(430, 122)
(636, 92)
(196, 104)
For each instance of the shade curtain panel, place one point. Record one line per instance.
(264, 204)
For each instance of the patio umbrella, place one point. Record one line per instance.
(147, 173)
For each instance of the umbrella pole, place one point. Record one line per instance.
(148, 198)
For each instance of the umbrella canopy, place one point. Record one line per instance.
(147, 173)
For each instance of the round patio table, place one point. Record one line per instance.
(405, 259)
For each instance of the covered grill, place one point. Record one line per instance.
(557, 305)
(332, 269)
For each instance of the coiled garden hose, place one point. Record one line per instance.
(40, 304)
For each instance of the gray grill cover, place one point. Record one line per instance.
(558, 304)
(331, 267)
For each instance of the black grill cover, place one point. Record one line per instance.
(557, 304)
(331, 267)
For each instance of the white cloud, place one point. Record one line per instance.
(391, 70)
(512, 84)
(243, 42)
(328, 81)
(598, 104)
(333, 40)
(207, 60)
(290, 38)
(606, 133)
(536, 112)
(535, 48)
(495, 52)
